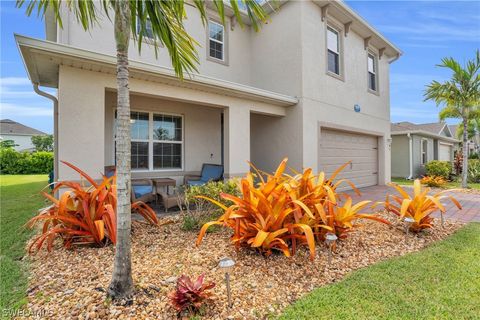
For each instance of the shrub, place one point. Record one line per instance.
(438, 168)
(474, 170)
(458, 163)
(281, 211)
(14, 162)
(474, 155)
(432, 181)
(419, 207)
(83, 215)
(191, 295)
(204, 210)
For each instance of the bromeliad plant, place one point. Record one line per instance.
(433, 181)
(283, 211)
(83, 215)
(420, 206)
(190, 295)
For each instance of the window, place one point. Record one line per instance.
(424, 151)
(216, 40)
(148, 33)
(333, 51)
(157, 141)
(372, 72)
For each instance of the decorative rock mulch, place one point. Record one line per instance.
(71, 284)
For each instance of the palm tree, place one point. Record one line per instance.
(166, 19)
(459, 98)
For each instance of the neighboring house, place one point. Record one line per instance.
(312, 85)
(473, 144)
(413, 145)
(19, 133)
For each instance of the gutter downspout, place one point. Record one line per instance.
(55, 127)
(410, 158)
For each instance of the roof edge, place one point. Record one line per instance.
(424, 133)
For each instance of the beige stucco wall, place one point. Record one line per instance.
(100, 39)
(400, 156)
(202, 131)
(85, 121)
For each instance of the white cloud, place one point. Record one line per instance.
(10, 110)
(14, 81)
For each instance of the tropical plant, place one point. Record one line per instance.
(474, 170)
(191, 295)
(7, 144)
(419, 207)
(165, 25)
(433, 181)
(437, 168)
(460, 98)
(83, 215)
(282, 211)
(458, 163)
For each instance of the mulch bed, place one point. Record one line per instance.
(71, 284)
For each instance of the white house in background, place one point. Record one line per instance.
(312, 85)
(413, 145)
(19, 133)
(473, 144)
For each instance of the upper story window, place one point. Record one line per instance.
(333, 50)
(372, 72)
(148, 33)
(216, 40)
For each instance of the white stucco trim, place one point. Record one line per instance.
(32, 49)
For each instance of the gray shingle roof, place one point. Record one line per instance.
(435, 127)
(453, 128)
(8, 126)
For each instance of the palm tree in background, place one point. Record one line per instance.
(459, 98)
(165, 19)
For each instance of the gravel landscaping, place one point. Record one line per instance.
(70, 284)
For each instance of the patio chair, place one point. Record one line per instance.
(142, 190)
(210, 172)
(110, 171)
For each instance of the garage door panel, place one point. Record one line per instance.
(338, 147)
(445, 152)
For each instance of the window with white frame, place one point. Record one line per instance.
(148, 32)
(372, 72)
(216, 40)
(333, 50)
(157, 141)
(424, 151)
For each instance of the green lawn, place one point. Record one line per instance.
(449, 185)
(19, 200)
(439, 282)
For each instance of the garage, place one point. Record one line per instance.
(339, 147)
(445, 152)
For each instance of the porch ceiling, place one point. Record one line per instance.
(43, 58)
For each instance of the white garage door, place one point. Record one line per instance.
(445, 152)
(338, 147)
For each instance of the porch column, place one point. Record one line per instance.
(236, 140)
(81, 123)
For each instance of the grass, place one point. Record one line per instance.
(439, 282)
(449, 185)
(19, 200)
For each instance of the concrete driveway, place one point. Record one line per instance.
(469, 201)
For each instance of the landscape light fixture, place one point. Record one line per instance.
(227, 265)
(330, 239)
(408, 223)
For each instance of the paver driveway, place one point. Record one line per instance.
(469, 201)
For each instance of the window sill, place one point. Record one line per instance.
(224, 62)
(375, 92)
(157, 170)
(336, 76)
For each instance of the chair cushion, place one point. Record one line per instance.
(196, 182)
(211, 172)
(140, 190)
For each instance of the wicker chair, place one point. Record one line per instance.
(142, 190)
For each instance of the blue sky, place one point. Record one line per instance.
(426, 31)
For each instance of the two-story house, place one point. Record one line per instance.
(312, 85)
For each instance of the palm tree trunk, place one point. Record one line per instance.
(122, 283)
(465, 154)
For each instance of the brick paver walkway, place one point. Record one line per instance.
(469, 201)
